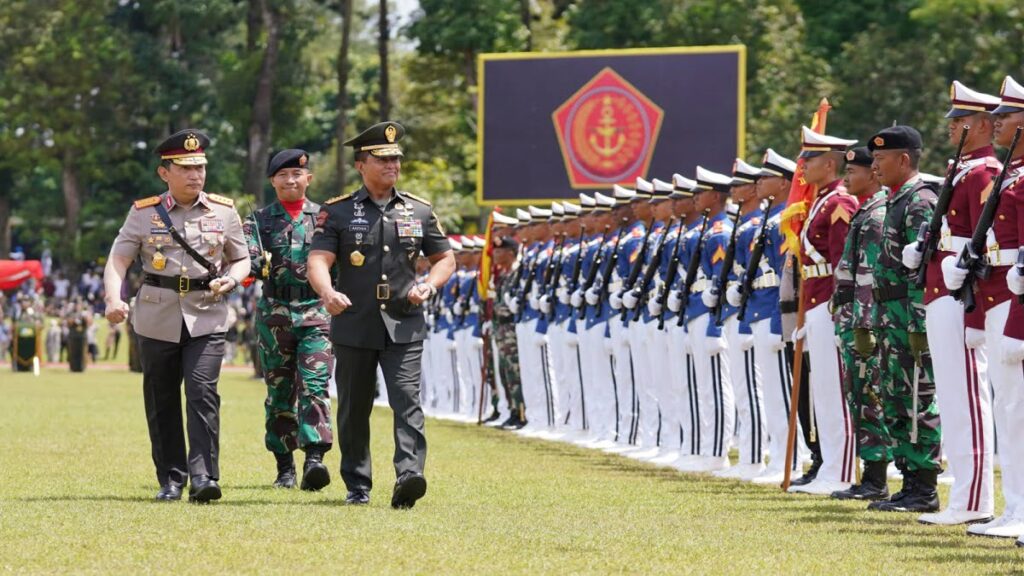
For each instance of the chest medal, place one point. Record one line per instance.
(356, 258)
(159, 260)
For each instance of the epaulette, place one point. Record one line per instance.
(993, 162)
(417, 198)
(338, 198)
(146, 202)
(718, 226)
(217, 198)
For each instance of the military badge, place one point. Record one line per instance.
(390, 132)
(159, 261)
(356, 258)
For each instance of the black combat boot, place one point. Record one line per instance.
(314, 474)
(285, 471)
(872, 484)
(810, 475)
(920, 494)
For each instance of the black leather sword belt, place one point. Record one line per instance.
(179, 284)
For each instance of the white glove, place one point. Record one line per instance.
(974, 337)
(449, 316)
(952, 275)
(1014, 281)
(911, 256)
(576, 300)
(544, 304)
(709, 298)
(798, 334)
(572, 339)
(715, 345)
(592, 296)
(630, 300)
(654, 307)
(485, 328)
(732, 295)
(1013, 351)
(478, 343)
(513, 304)
(474, 308)
(609, 346)
(778, 344)
(746, 342)
(534, 301)
(459, 309)
(450, 344)
(675, 301)
(562, 293)
(615, 300)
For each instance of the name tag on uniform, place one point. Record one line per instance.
(210, 225)
(409, 228)
(156, 230)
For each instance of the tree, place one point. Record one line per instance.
(343, 68)
(260, 125)
(383, 40)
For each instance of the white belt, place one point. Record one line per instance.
(952, 244)
(817, 270)
(767, 280)
(1001, 257)
(699, 286)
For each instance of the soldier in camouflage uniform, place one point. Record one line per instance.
(292, 325)
(907, 382)
(852, 304)
(504, 321)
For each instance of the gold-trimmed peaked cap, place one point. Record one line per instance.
(381, 140)
(185, 148)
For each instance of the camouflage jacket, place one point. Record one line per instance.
(287, 296)
(505, 287)
(852, 300)
(899, 302)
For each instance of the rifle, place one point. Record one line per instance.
(670, 275)
(652, 267)
(614, 257)
(468, 299)
(634, 272)
(1020, 270)
(576, 267)
(554, 270)
(747, 286)
(527, 286)
(971, 256)
(692, 267)
(723, 277)
(928, 237)
(265, 270)
(594, 267)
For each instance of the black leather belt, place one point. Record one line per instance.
(787, 307)
(887, 293)
(842, 296)
(179, 284)
(383, 291)
(288, 293)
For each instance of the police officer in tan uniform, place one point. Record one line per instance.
(375, 236)
(193, 253)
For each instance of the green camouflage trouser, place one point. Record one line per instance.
(860, 386)
(897, 380)
(508, 365)
(296, 366)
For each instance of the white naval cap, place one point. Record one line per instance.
(480, 242)
(587, 202)
(708, 180)
(622, 194)
(455, 242)
(603, 203)
(814, 144)
(683, 186)
(644, 189)
(503, 220)
(1011, 97)
(660, 190)
(538, 213)
(775, 164)
(965, 101)
(743, 173)
(571, 210)
(523, 216)
(557, 212)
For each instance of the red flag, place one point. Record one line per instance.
(801, 194)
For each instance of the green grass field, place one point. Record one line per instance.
(78, 483)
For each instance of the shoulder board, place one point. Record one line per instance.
(220, 199)
(718, 226)
(638, 232)
(338, 198)
(993, 162)
(417, 198)
(146, 202)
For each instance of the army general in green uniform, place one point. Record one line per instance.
(292, 325)
(375, 236)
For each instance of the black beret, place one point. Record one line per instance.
(186, 147)
(859, 156)
(896, 138)
(290, 158)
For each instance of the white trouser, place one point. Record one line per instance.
(563, 347)
(645, 355)
(777, 386)
(1007, 409)
(535, 367)
(666, 385)
(441, 364)
(598, 398)
(469, 371)
(831, 413)
(678, 403)
(625, 382)
(427, 376)
(965, 403)
(713, 385)
(747, 391)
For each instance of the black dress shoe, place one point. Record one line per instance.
(408, 490)
(169, 492)
(314, 474)
(203, 489)
(357, 497)
(809, 476)
(285, 471)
